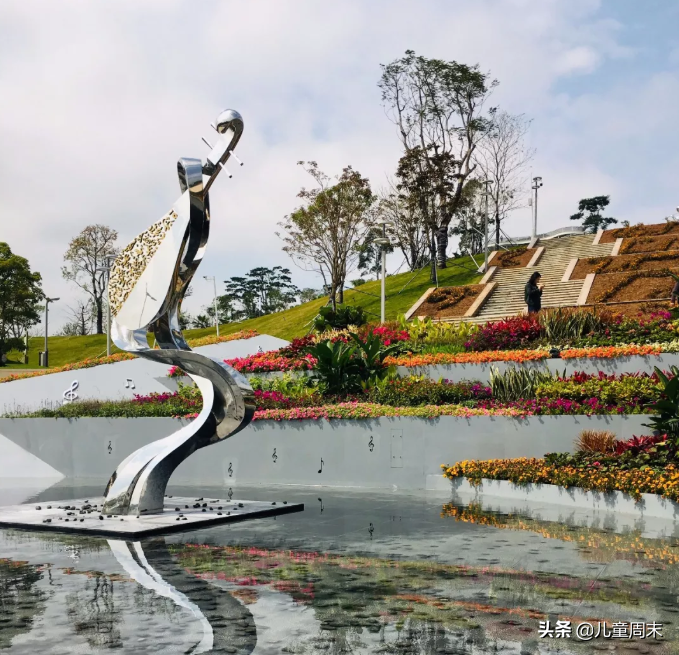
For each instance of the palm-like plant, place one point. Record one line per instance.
(666, 418)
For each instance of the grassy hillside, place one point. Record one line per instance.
(286, 325)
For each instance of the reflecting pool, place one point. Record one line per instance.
(354, 573)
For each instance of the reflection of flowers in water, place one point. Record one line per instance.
(371, 593)
(596, 545)
(246, 596)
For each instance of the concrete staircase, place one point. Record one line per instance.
(507, 298)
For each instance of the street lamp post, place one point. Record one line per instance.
(485, 228)
(107, 269)
(45, 356)
(537, 183)
(214, 283)
(383, 242)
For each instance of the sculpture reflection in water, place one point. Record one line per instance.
(227, 625)
(148, 281)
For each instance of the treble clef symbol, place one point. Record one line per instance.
(230, 469)
(274, 457)
(70, 395)
(110, 448)
(371, 444)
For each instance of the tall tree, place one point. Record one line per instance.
(20, 293)
(80, 320)
(437, 107)
(261, 291)
(589, 212)
(408, 227)
(85, 256)
(502, 158)
(324, 234)
(470, 216)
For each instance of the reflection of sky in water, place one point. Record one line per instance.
(354, 573)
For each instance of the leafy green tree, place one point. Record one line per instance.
(20, 295)
(589, 212)
(261, 291)
(325, 233)
(202, 321)
(437, 107)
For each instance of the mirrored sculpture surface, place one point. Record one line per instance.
(148, 282)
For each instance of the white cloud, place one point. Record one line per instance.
(100, 99)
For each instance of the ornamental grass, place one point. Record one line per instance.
(524, 471)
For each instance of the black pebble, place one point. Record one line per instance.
(49, 507)
(66, 520)
(81, 520)
(204, 510)
(177, 519)
(38, 507)
(218, 514)
(274, 502)
(241, 505)
(176, 509)
(184, 519)
(47, 521)
(186, 507)
(204, 504)
(199, 499)
(285, 502)
(220, 507)
(101, 518)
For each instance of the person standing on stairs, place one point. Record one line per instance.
(533, 293)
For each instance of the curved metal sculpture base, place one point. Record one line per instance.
(148, 281)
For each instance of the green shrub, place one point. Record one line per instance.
(415, 391)
(343, 369)
(666, 420)
(626, 389)
(340, 318)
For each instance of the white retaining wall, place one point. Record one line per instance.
(404, 453)
(650, 505)
(115, 381)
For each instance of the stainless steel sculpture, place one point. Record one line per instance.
(148, 281)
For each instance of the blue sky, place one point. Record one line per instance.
(100, 99)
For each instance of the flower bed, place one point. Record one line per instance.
(620, 263)
(449, 302)
(514, 258)
(523, 471)
(649, 244)
(636, 285)
(520, 356)
(640, 230)
(119, 357)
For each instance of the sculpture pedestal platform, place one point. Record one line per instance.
(83, 516)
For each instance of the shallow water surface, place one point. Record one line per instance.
(354, 573)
